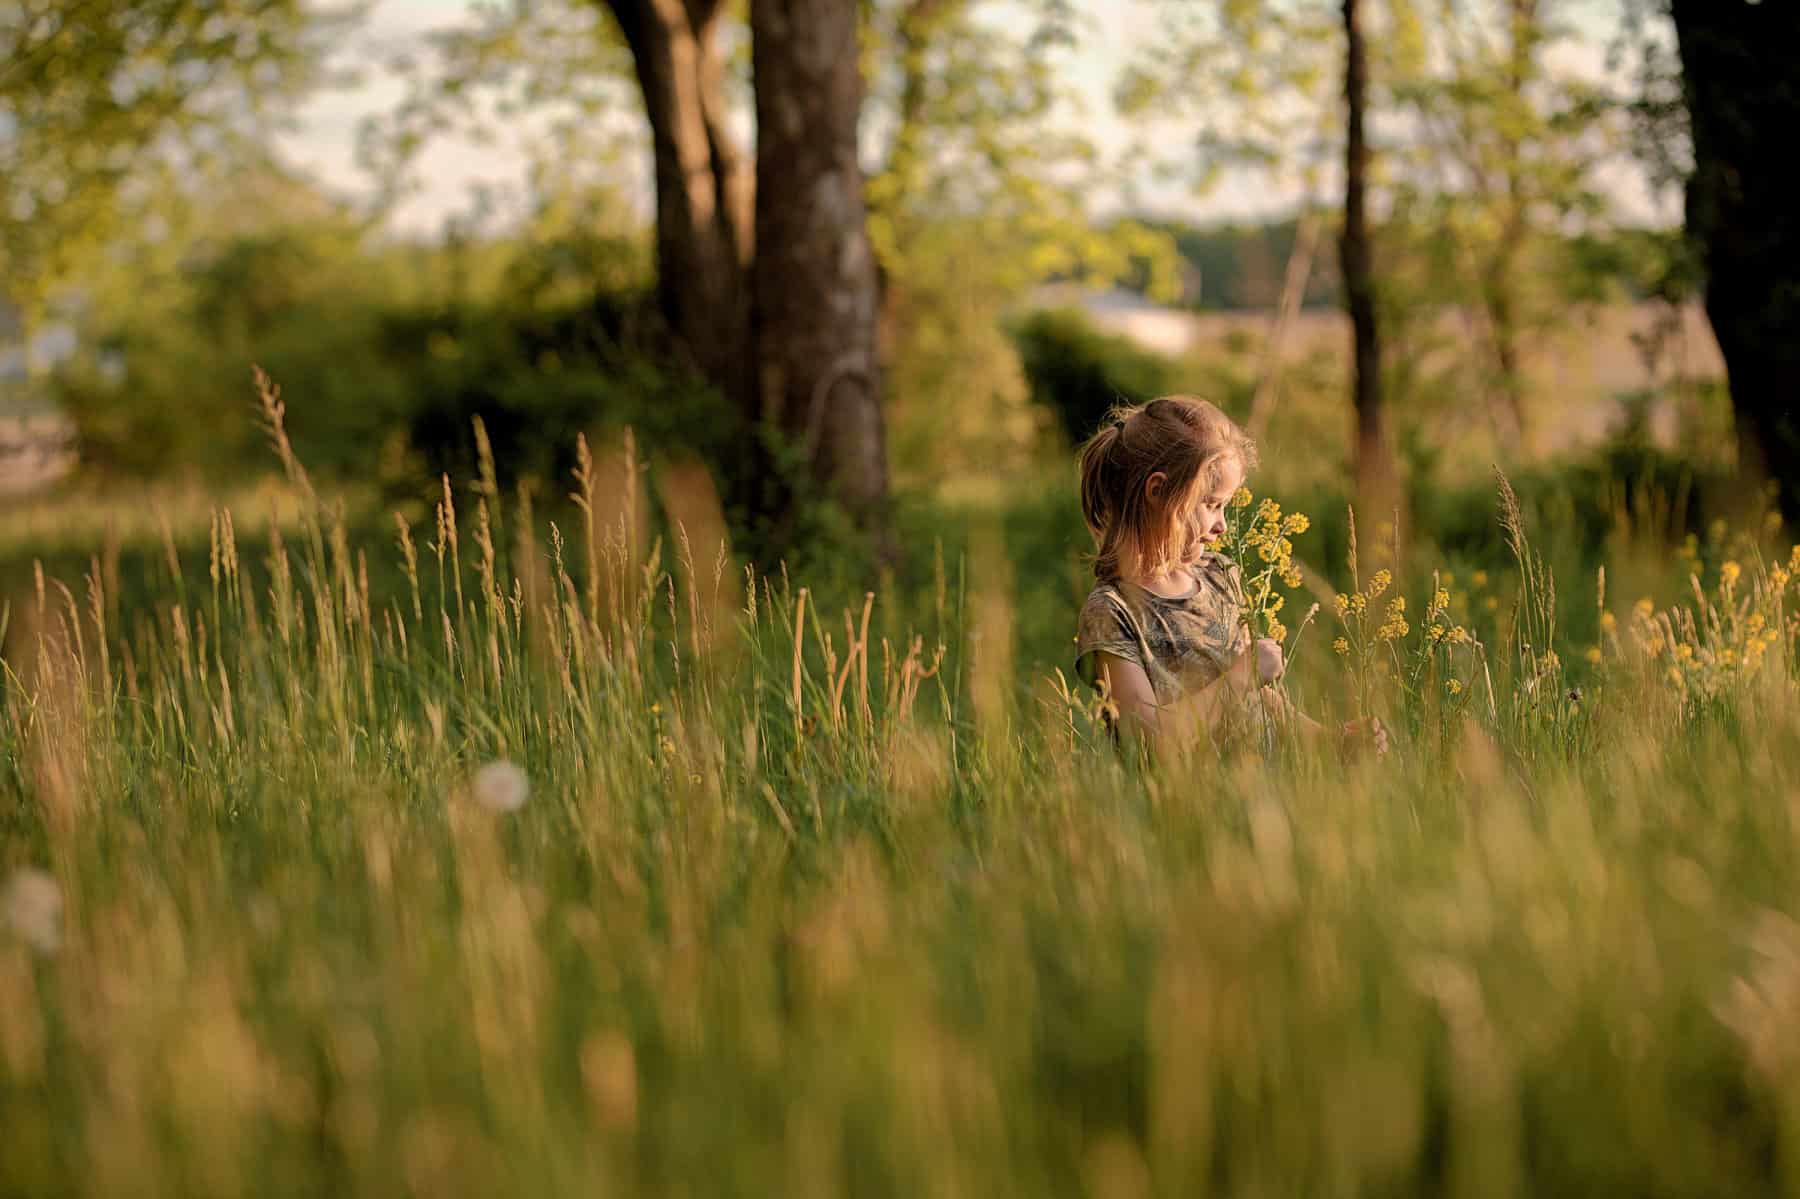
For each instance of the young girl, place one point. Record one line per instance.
(1162, 631)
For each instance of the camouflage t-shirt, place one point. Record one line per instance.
(1182, 644)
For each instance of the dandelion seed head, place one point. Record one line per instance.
(501, 786)
(33, 908)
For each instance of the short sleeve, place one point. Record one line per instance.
(1105, 626)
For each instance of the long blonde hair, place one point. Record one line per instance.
(1185, 438)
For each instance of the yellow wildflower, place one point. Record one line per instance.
(1728, 574)
(1684, 651)
(1608, 622)
(1296, 523)
(1441, 600)
(1379, 583)
(1343, 604)
(1794, 560)
(1435, 633)
(1457, 635)
(1274, 604)
(1277, 631)
(1593, 655)
(1241, 498)
(1755, 622)
(1643, 608)
(1481, 578)
(1779, 577)
(1454, 686)
(1341, 647)
(1491, 603)
(1397, 604)
(1291, 577)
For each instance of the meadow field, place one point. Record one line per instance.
(512, 847)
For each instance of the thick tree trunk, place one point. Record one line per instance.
(703, 185)
(813, 282)
(1743, 99)
(1376, 484)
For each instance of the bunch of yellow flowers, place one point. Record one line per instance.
(1267, 534)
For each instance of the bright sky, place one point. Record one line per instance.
(325, 142)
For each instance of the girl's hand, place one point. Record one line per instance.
(1269, 663)
(1357, 735)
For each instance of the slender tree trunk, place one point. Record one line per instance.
(1293, 291)
(814, 281)
(1375, 479)
(703, 185)
(1508, 394)
(915, 30)
(1500, 288)
(1743, 100)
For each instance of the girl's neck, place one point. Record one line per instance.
(1172, 584)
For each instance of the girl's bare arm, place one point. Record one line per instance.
(1139, 709)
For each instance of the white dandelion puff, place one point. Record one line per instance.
(34, 907)
(501, 787)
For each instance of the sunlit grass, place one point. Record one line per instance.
(582, 860)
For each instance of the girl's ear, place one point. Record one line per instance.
(1155, 486)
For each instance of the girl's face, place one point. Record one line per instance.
(1212, 501)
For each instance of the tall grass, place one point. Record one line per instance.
(817, 893)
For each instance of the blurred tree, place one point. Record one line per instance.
(974, 197)
(1743, 102)
(980, 192)
(1257, 80)
(100, 100)
(1501, 163)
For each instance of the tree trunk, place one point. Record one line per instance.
(1743, 100)
(1293, 291)
(1375, 479)
(703, 186)
(813, 281)
(1500, 288)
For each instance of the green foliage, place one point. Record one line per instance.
(390, 353)
(1079, 372)
(105, 106)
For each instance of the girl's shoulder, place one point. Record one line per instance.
(1105, 596)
